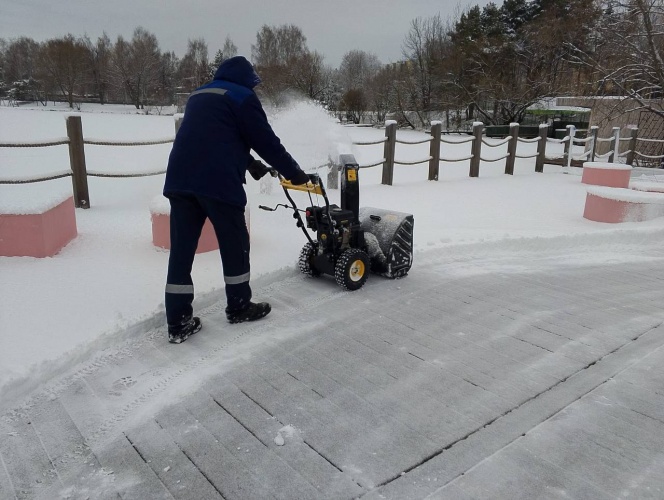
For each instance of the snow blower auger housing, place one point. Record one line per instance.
(350, 241)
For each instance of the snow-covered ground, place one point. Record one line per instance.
(108, 283)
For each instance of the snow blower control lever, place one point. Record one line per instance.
(346, 245)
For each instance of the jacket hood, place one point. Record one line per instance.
(238, 70)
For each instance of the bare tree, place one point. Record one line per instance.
(357, 68)
(99, 60)
(229, 50)
(136, 65)
(167, 80)
(282, 59)
(3, 50)
(277, 46)
(194, 66)
(382, 97)
(310, 76)
(627, 57)
(354, 104)
(21, 59)
(427, 47)
(63, 61)
(354, 76)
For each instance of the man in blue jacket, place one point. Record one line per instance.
(223, 121)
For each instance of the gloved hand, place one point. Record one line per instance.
(299, 178)
(314, 178)
(258, 169)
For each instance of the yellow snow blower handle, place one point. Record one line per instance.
(309, 187)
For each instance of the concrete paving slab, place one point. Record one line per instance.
(179, 474)
(516, 473)
(637, 398)
(25, 462)
(125, 471)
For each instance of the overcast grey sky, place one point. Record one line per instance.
(332, 27)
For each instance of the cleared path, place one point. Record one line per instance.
(481, 375)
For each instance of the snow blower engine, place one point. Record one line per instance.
(350, 241)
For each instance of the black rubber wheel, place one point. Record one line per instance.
(352, 269)
(305, 262)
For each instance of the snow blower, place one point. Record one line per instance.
(350, 241)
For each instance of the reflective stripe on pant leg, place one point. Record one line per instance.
(180, 289)
(236, 280)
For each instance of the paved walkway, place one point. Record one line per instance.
(474, 377)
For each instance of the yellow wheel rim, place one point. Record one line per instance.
(356, 270)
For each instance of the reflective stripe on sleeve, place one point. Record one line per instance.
(208, 91)
(236, 280)
(180, 289)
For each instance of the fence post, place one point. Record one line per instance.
(594, 130)
(511, 148)
(633, 133)
(178, 121)
(476, 149)
(77, 162)
(434, 150)
(571, 132)
(615, 145)
(388, 154)
(541, 147)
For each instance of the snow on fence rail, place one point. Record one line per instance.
(477, 140)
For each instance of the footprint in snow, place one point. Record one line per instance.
(120, 385)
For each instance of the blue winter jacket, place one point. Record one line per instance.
(223, 120)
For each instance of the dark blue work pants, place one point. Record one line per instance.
(188, 214)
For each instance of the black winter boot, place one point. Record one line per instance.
(180, 333)
(250, 313)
